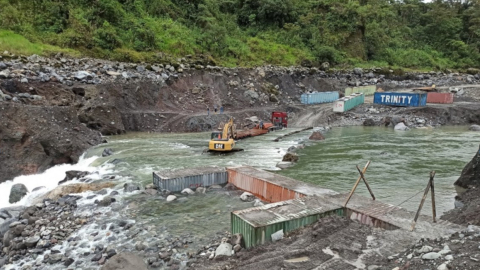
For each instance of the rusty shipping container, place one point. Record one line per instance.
(445, 98)
(271, 187)
(259, 223)
(178, 180)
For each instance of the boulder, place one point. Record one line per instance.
(251, 94)
(358, 71)
(247, 197)
(277, 236)
(431, 256)
(230, 186)
(81, 75)
(224, 249)
(61, 191)
(131, 187)
(17, 192)
(316, 136)
(70, 175)
(470, 175)
(394, 120)
(369, 122)
(187, 191)
(401, 127)
(107, 152)
(423, 249)
(171, 198)
(125, 261)
(32, 241)
(237, 239)
(107, 201)
(290, 157)
(200, 190)
(150, 191)
(474, 128)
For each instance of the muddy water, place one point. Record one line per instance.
(400, 162)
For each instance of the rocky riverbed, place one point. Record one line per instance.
(84, 231)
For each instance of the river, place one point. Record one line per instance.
(400, 167)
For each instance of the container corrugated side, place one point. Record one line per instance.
(193, 181)
(366, 90)
(353, 101)
(263, 189)
(319, 97)
(255, 236)
(400, 99)
(444, 98)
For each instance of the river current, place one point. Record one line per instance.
(399, 169)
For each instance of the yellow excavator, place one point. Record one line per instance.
(223, 141)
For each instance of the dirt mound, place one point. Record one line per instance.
(333, 243)
(34, 138)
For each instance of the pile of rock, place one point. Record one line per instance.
(39, 228)
(458, 251)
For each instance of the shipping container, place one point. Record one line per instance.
(400, 99)
(446, 98)
(259, 223)
(178, 180)
(319, 97)
(349, 102)
(272, 187)
(366, 90)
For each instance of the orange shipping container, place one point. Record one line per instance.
(446, 98)
(244, 178)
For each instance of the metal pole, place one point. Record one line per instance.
(432, 175)
(366, 183)
(421, 204)
(356, 184)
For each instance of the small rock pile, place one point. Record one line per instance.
(457, 251)
(39, 228)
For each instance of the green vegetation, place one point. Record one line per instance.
(407, 34)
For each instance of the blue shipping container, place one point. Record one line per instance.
(400, 99)
(319, 97)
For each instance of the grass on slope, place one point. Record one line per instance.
(19, 45)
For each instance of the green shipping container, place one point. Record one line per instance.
(259, 223)
(366, 90)
(349, 102)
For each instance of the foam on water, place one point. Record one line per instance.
(49, 179)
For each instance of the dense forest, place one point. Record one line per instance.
(409, 33)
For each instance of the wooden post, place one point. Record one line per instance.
(429, 185)
(356, 184)
(434, 211)
(366, 183)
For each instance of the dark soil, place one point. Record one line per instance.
(331, 243)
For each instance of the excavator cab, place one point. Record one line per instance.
(223, 140)
(216, 135)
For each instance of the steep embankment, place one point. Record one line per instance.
(34, 138)
(469, 201)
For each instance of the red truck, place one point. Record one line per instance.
(279, 119)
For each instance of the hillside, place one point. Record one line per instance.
(408, 34)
